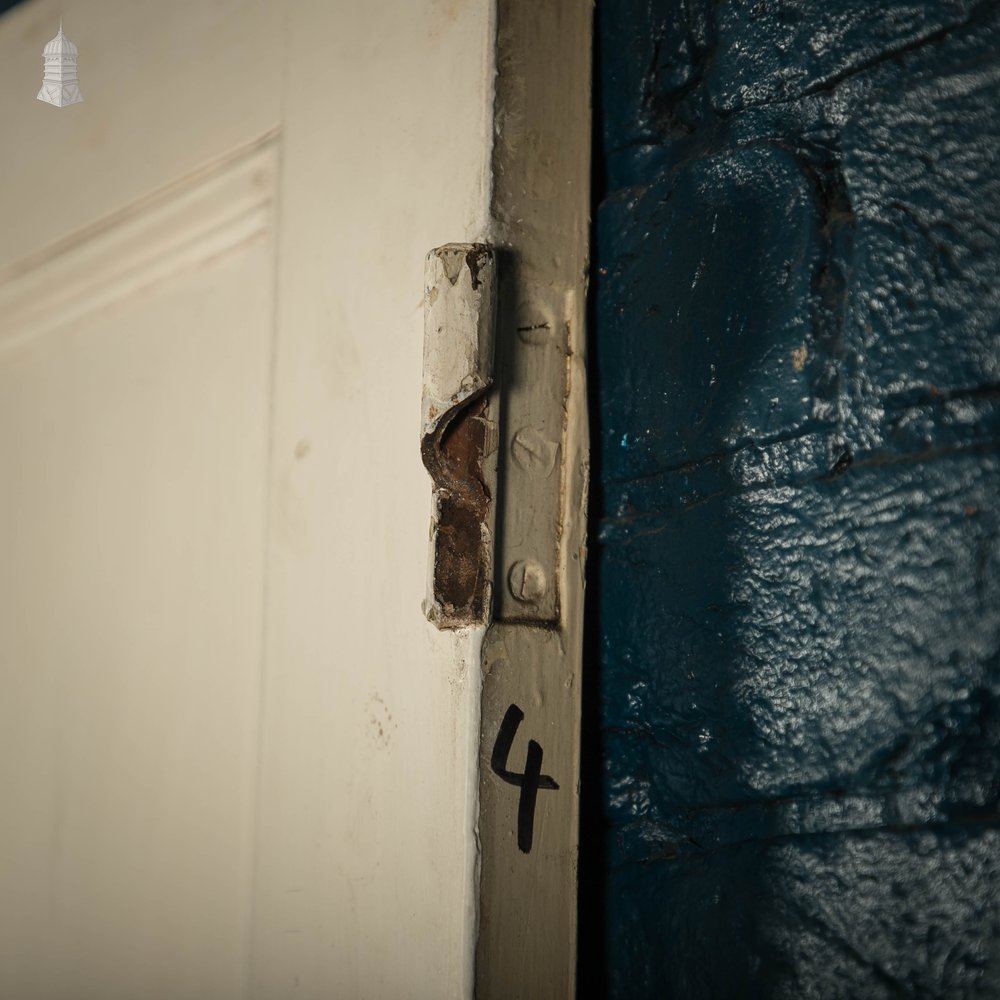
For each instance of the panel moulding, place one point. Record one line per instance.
(222, 205)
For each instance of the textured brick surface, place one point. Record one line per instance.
(798, 309)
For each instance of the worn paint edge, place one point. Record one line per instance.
(472, 656)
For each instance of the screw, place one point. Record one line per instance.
(526, 580)
(534, 324)
(532, 452)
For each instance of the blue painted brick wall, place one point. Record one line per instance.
(798, 376)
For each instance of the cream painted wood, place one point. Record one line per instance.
(235, 758)
(131, 525)
(533, 653)
(366, 846)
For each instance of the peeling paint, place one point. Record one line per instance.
(459, 432)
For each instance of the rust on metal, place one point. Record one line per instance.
(461, 559)
(458, 442)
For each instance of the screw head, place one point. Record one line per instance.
(534, 323)
(527, 582)
(533, 452)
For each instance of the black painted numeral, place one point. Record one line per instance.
(529, 782)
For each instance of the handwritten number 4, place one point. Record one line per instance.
(529, 782)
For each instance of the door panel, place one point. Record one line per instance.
(236, 758)
(132, 526)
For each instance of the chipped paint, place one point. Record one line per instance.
(458, 443)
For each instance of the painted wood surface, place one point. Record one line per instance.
(797, 359)
(530, 750)
(235, 758)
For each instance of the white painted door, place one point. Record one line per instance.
(235, 759)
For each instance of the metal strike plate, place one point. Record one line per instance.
(533, 359)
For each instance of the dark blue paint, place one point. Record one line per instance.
(797, 373)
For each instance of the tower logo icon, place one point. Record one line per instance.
(60, 85)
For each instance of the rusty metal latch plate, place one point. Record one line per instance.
(458, 441)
